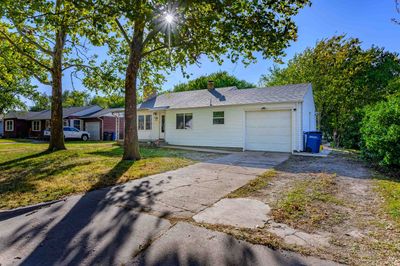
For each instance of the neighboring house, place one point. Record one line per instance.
(109, 120)
(264, 119)
(22, 124)
(93, 119)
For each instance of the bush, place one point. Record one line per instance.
(380, 132)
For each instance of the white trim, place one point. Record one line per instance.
(33, 125)
(6, 126)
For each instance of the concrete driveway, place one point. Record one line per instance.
(131, 223)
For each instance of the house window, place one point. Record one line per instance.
(148, 122)
(36, 125)
(9, 125)
(66, 124)
(77, 124)
(144, 122)
(184, 121)
(47, 124)
(141, 122)
(219, 118)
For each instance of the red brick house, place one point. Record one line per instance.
(93, 119)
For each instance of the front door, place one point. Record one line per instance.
(162, 127)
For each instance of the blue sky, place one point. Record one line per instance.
(368, 20)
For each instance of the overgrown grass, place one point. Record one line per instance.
(310, 204)
(254, 185)
(28, 174)
(389, 189)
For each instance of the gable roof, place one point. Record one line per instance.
(227, 96)
(44, 115)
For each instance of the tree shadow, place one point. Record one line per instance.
(102, 222)
(9, 164)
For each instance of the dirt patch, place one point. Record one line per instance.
(311, 204)
(333, 197)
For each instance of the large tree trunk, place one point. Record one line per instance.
(56, 131)
(131, 143)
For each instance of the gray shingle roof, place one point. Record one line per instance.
(227, 96)
(104, 112)
(44, 115)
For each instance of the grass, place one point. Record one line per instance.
(389, 190)
(310, 204)
(254, 185)
(28, 174)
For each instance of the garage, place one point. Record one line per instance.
(268, 131)
(94, 130)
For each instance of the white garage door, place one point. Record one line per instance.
(268, 131)
(94, 130)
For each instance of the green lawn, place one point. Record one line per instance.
(28, 174)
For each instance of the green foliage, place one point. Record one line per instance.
(41, 102)
(210, 28)
(112, 101)
(14, 79)
(221, 79)
(345, 79)
(75, 98)
(381, 132)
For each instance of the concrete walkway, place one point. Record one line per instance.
(118, 225)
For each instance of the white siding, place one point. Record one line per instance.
(309, 121)
(230, 134)
(154, 133)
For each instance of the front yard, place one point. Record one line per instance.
(336, 208)
(28, 174)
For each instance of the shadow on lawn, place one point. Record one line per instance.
(9, 164)
(108, 227)
(95, 224)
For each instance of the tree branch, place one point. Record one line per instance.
(23, 53)
(154, 50)
(41, 48)
(77, 65)
(126, 37)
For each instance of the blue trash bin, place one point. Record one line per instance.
(314, 139)
(112, 135)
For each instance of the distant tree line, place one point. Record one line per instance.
(75, 98)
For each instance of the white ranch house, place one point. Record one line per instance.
(260, 119)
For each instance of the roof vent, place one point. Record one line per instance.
(210, 85)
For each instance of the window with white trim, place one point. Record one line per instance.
(145, 122)
(148, 122)
(36, 125)
(47, 124)
(141, 122)
(184, 121)
(219, 118)
(66, 123)
(9, 125)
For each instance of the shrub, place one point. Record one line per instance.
(380, 132)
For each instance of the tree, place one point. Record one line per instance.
(381, 132)
(345, 79)
(152, 37)
(47, 33)
(221, 79)
(14, 79)
(75, 98)
(111, 101)
(41, 102)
